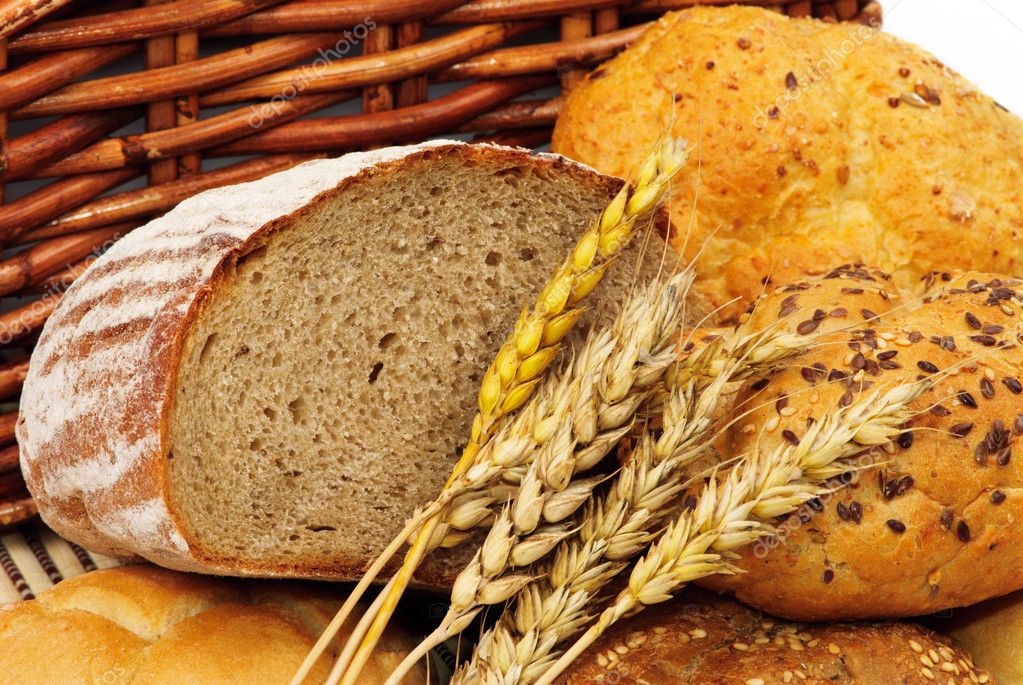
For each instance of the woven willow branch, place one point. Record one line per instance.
(511, 379)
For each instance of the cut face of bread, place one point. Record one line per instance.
(328, 387)
(324, 382)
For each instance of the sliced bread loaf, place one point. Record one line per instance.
(268, 379)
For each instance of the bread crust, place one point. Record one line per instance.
(143, 625)
(699, 638)
(815, 145)
(931, 523)
(992, 632)
(93, 429)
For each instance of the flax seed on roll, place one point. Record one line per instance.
(931, 522)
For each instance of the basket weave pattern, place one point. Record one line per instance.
(209, 80)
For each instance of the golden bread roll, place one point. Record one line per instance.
(933, 521)
(699, 638)
(817, 143)
(993, 633)
(140, 625)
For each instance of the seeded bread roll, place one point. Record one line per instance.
(699, 638)
(143, 625)
(993, 632)
(270, 378)
(818, 143)
(930, 523)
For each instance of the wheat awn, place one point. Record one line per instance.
(737, 510)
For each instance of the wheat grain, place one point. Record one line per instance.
(514, 374)
(735, 510)
(617, 526)
(466, 503)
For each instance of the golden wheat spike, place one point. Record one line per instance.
(618, 524)
(729, 513)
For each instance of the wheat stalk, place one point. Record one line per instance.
(546, 491)
(617, 526)
(736, 510)
(512, 377)
(566, 399)
(602, 389)
(466, 502)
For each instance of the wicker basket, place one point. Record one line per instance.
(110, 113)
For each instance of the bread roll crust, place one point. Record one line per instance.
(932, 523)
(143, 625)
(699, 638)
(818, 144)
(93, 429)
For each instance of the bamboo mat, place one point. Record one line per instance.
(34, 558)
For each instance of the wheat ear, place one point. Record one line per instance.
(736, 511)
(606, 399)
(617, 526)
(519, 364)
(466, 503)
(564, 399)
(640, 338)
(596, 399)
